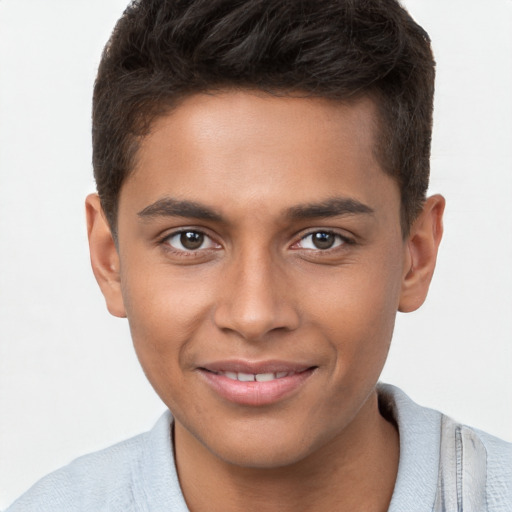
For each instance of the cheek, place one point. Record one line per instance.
(164, 312)
(356, 309)
(163, 324)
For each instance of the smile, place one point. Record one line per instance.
(255, 384)
(255, 377)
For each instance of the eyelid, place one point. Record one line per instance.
(345, 239)
(164, 240)
(214, 244)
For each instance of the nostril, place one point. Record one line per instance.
(253, 303)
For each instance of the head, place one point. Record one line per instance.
(261, 169)
(163, 51)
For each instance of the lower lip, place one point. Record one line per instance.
(255, 393)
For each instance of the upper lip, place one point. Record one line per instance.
(255, 367)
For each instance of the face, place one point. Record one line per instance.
(261, 265)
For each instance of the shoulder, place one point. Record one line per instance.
(457, 464)
(100, 479)
(114, 479)
(498, 455)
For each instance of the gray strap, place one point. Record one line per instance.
(462, 478)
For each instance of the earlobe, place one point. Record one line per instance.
(104, 256)
(422, 246)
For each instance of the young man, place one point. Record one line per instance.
(260, 219)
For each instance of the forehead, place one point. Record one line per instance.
(243, 149)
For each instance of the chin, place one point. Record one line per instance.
(265, 444)
(264, 455)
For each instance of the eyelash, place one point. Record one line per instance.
(340, 241)
(165, 242)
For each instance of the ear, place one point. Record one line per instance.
(104, 256)
(421, 254)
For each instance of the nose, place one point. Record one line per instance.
(256, 299)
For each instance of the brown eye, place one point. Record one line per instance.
(322, 240)
(190, 240)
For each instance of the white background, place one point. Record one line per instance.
(69, 381)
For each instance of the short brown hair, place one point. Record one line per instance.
(163, 50)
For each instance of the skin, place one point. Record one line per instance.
(259, 289)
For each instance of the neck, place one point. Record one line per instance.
(354, 471)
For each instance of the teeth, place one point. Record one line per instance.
(251, 377)
(265, 377)
(245, 377)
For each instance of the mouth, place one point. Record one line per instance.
(255, 384)
(255, 377)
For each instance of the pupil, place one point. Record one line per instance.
(191, 240)
(323, 240)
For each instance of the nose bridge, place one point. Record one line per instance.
(254, 300)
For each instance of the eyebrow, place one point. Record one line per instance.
(333, 207)
(169, 207)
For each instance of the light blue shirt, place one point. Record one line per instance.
(140, 475)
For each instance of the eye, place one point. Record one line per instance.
(321, 240)
(190, 240)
